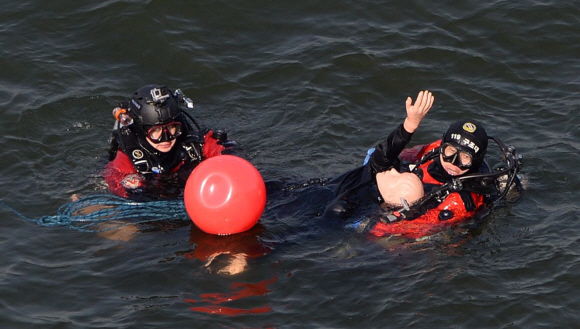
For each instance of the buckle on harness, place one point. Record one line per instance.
(192, 151)
(142, 166)
(398, 215)
(456, 185)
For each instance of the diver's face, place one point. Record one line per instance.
(163, 147)
(162, 137)
(450, 168)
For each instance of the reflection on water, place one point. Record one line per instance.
(215, 303)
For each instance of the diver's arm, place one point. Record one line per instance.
(217, 143)
(121, 176)
(386, 155)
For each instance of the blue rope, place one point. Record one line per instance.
(83, 214)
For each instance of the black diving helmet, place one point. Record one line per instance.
(157, 112)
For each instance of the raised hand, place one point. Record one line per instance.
(416, 112)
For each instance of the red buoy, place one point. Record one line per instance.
(225, 195)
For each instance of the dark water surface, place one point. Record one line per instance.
(306, 87)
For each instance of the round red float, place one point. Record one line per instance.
(225, 195)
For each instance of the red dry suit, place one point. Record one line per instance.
(136, 171)
(453, 209)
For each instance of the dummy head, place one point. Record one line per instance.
(394, 185)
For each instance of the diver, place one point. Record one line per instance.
(456, 181)
(155, 145)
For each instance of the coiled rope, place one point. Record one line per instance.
(84, 214)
